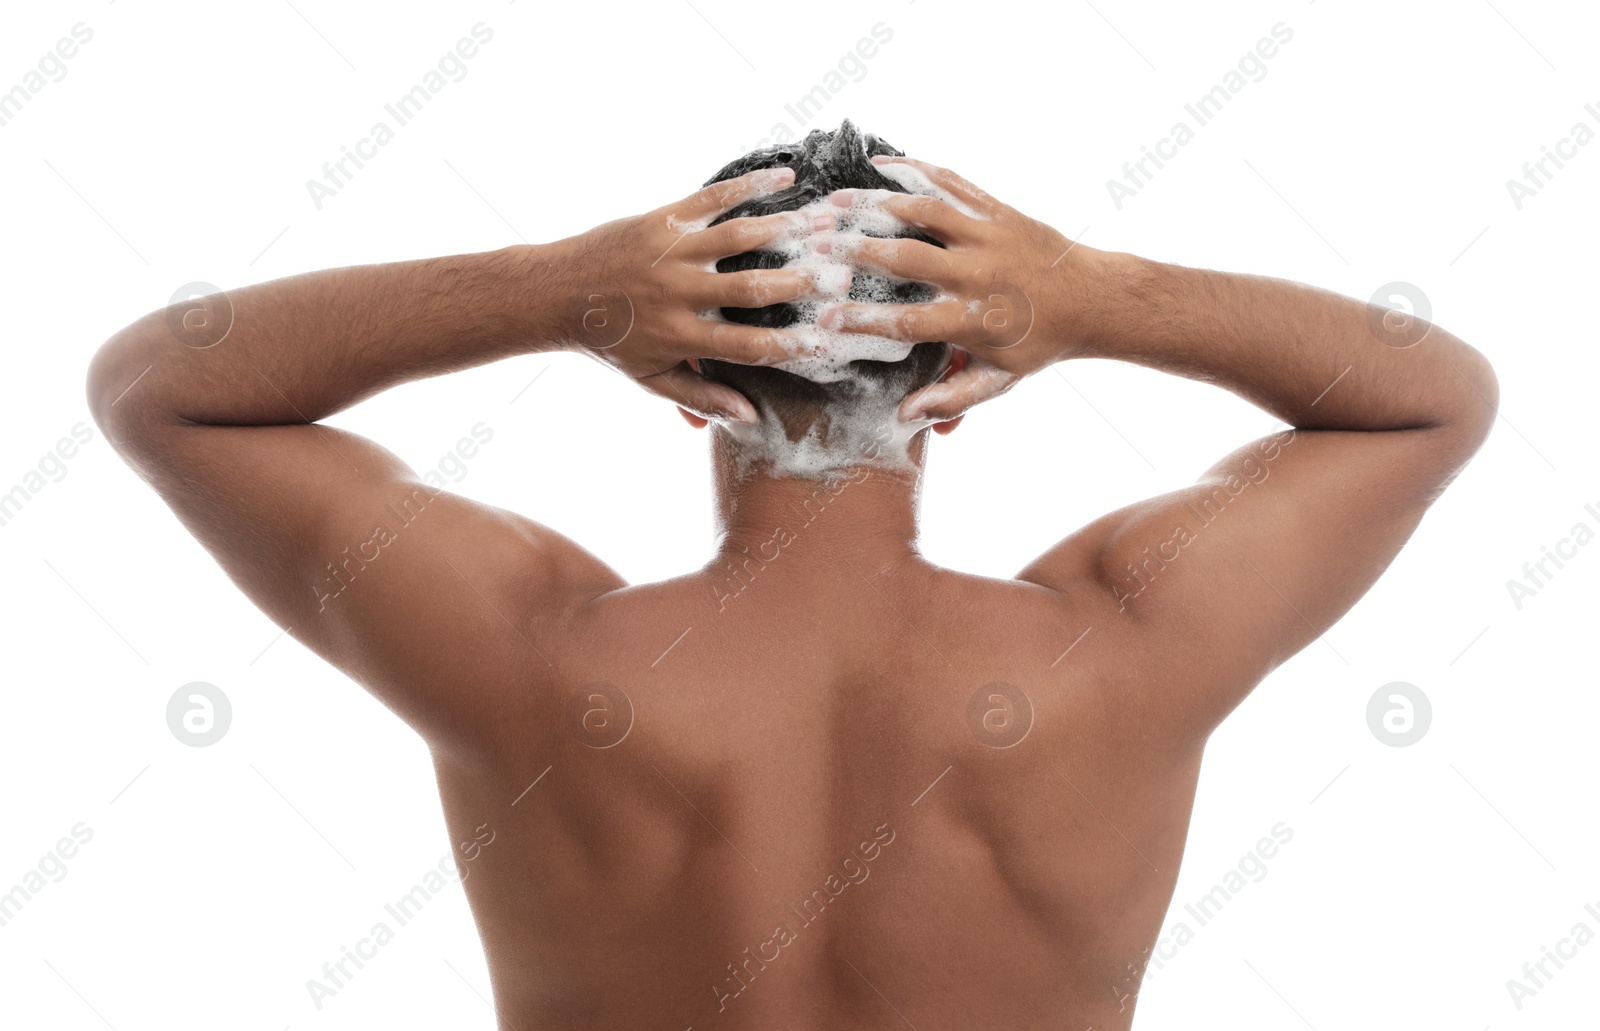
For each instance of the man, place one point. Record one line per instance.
(819, 782)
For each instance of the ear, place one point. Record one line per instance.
(688, 416)
(958, 361)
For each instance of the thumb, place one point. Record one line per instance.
(700, 396)
(948, 399)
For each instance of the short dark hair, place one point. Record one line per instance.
(823, 162)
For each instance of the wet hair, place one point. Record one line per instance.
(823, 162)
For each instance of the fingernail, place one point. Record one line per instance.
(843, 198)
(782, 175)
(882, 159)
(822, 222)
(823, 246)
(829, 319)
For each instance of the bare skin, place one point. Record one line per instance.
(855, 790)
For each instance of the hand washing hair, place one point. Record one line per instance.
(835, 407)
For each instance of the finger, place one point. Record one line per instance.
(904, 259)
(706, 204)
(964, 190)
(757, 288)
(744, 345)
(914, 323)
(751, 233)
(699, 396)
(949, 399)
(933, 215)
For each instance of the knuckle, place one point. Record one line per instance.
(730, 337)
(727, 339)
(741, 235)
(756, 232)
(931, 262)
(912, 324)
(749, 346)
(714, 196)
(869, 251)
(768, 346)
(749, 290)
(732, 191)
(919, 208)
(901, 203)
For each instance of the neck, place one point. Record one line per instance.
(865, 511)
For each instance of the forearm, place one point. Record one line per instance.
(304, 347)
(1308, 356)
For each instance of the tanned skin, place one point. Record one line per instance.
(801, 731)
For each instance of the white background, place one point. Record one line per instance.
(1376, 148)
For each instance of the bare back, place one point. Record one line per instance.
(830, 799)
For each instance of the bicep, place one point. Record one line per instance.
(287, 511)
(414, 592)
(1226, 579)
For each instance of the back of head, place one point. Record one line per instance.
(819, 425)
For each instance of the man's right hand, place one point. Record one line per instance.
(639, 284)
(1013, 292)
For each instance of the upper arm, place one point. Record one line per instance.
(431, 601)
(1218, 583)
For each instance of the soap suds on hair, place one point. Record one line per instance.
(868, 431)
(825, 354)
(834, 405)
(912, 178)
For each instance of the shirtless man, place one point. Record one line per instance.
(819, 782)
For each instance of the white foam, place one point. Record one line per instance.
(867, 431)
(866, 428)
(825, 355)
(911, 177)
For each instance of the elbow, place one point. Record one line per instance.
(1477, 399)
(109, 379)
(1483, 392)
(119, 384)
